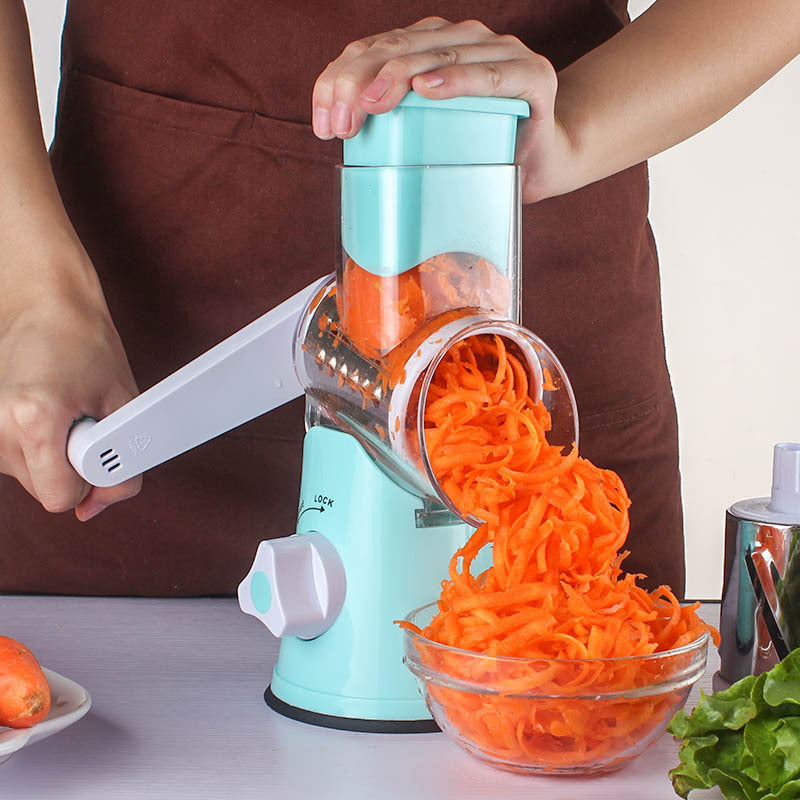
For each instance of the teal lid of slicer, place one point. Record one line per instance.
(418, 131)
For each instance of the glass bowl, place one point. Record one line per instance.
(551, 716)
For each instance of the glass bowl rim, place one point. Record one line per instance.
(684, 678)
(696, 645)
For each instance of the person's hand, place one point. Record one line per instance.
(439, 59)
(61, 359)
(60, 356)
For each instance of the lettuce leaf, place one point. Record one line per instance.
(728, 709)
(745, 739)
(789, 791)
(689, 774)
(782, 683)
(774, 744)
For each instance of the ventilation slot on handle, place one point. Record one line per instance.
(110, 460)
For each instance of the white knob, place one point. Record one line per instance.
(296, 585)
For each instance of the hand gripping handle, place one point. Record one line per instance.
(244, 376)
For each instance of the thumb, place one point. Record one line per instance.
(100, 498)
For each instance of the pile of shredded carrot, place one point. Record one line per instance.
(555, 589)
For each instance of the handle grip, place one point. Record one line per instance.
(244, 376)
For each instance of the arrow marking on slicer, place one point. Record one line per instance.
(312, 508)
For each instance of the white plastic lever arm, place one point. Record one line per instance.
(242, 377)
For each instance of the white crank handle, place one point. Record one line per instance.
(244, 376)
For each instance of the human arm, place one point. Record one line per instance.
(676, 69)
(60, 355)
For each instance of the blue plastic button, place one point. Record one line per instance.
(260, 592)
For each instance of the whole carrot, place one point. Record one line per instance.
(24, 691)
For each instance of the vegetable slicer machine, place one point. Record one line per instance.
(429, 257)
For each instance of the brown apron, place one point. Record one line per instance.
(186, 162)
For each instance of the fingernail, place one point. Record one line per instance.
(376, 90)
(92, 511)
(322, 123)
(432, 80)
(341, 119)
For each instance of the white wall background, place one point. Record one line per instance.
(724, 210)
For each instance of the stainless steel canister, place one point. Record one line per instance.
(760, 612)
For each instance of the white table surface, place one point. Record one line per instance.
(177, 712)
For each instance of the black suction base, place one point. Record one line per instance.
(346, 723)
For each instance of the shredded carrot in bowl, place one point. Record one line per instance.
(555, 603)
(564, 715)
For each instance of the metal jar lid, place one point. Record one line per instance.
(783, 506)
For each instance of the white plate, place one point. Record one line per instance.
(68, 703)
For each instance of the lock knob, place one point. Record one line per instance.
(296, 585)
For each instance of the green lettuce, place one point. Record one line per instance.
(745, 739)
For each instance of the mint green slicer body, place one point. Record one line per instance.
(430, 200)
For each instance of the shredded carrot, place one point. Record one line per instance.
(380, 312)
(377, 311)
(555, 590)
